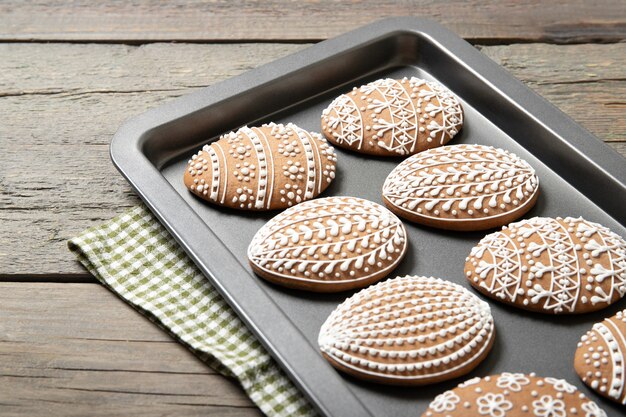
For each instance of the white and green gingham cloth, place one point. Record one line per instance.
(135, 257)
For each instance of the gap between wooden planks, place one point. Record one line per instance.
(60, 357)
(61, 104)
(491, 21)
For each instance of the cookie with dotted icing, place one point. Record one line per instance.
(513, 395)
(390, 117)
(600, 359)
(262, 168)
(329, 244)
(410, 330)
(550, 265)
(462, 187)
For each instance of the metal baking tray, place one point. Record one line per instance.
(579, 176)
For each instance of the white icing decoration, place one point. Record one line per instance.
(446, 401)
(493, 405)
(609, 337)
(548, 406)
(266, 168)
(561, 385)
(405, 108)
(591, 409)
(319, 238)
(513, 382)
(507, 271)
(347, 121)
(434, 328)
(458, 178)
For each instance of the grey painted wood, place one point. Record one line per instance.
(493, 21)
(61, 103)
(77, 350)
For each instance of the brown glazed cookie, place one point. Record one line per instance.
(513, 395)
(262, 168)
(600, 359)
(408, 330)
(462, 187)
(329, 244)
(390, 117)
(559, 266)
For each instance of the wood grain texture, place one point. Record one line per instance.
(61, 104)
(493, 21)
(76, 349)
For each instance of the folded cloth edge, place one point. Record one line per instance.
(135, 257)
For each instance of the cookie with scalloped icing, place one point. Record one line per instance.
(462, 187)
(410, 330)
(600, 359)
(329, 244)
(513, 395)
(270, 167)
(390, 117)
(550, 265)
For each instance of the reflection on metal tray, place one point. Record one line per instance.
(579, 176)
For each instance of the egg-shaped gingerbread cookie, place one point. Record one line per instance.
(329, 244)
(408, 330)
(262, 168)
(462, 187)
(513, 395)
(390, 117)
(550, 265)
(600, 359)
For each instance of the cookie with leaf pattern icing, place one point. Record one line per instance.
(513, 395)
(389, 117)
(462, 187)
(550, 265)
(600, 359)
(409, 330)
(329, 244)
(273, 166)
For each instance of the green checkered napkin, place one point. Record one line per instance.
(135, 257)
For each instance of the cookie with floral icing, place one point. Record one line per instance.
(462, 187)
(513, 395)
(262, 168)
(600, 359)
(390, 117)
(408, 330)
(550, 265)
(329, 244)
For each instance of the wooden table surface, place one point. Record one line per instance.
(72, 71)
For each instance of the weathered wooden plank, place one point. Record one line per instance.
(585, 81)
(76, 349)
(223, 20)
(61, 104)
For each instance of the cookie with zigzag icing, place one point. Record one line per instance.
(389, 117)
(270, 167)
(329, 244)
(550, 265)
(462, 187)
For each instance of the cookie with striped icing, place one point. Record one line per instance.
(462, 187)
(262, 168)
(600, 359)
(329, 244)
(389, 117)
(550, 265)
(513, 395)
(408, 330)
